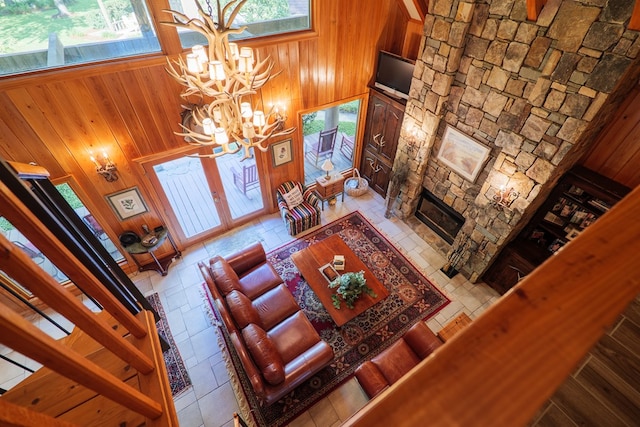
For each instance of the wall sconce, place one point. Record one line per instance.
(504, 197)
(105, 167)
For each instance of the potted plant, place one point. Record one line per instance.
(349, 288)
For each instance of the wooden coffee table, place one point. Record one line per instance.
(309, 260)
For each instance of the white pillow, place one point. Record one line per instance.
(293, 197)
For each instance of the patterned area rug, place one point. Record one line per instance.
(178, 376)
(412, 297)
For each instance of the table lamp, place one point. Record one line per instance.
(327, 166)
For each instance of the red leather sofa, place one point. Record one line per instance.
(276, 343)
(389, 366)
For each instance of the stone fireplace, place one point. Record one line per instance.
(536, 93)
(439, 217)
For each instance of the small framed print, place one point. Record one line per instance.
(572, 234)
(127, 203)
(281, 152)
(464, 155)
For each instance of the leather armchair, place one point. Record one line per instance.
(389, 366)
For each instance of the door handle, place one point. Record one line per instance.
(375, 138)
(373, 165)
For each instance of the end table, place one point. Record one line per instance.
(326, 189)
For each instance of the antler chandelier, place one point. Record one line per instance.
(223, 78)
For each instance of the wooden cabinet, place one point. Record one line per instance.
(326, 189)
(580, 198)
(382, 130)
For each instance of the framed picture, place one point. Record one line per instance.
(281, 152)
(462, 154)
(127, 203)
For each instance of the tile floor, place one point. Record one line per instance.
(211, 401)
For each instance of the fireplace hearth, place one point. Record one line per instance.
(438, 216)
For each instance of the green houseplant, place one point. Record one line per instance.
(349, 288)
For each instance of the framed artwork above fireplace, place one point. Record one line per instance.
(464, 155)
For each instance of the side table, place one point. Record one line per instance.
(326, 189)
(453, 327)
(161, 265)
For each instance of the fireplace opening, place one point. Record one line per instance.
(438, 216)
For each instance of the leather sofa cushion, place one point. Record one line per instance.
(242, 310)
(226, 279)
(274, 306)
(396, 361)
(264, 354)
(258, 280)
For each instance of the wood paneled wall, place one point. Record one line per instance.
(132, 108)
(616, 153)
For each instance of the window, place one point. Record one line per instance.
(39, 34)
(329, 134)
(262, 18)
(79, 208)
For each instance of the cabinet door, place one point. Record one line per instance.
(390, 133)
(376, 172)
(375, 128)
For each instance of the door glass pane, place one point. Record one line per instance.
(241, 184)
(74, 201)
(336, 146)
(185, 185)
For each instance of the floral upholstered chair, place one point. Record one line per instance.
(300, 208)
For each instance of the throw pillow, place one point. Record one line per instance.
(264, 354)
(225, 277)
(242, 310)
(293, 197)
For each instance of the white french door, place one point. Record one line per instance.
(202, 197)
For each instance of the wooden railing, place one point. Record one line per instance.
(503, 367)
(130, 341)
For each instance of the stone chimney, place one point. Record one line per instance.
(535, 93)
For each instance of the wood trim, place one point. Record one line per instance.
(533, 9)
(503, 367)
(634, 23)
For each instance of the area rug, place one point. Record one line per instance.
(178, 376)
(412, 297)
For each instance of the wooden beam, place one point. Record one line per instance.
(634, 23)
(503, 367)
(533, 9)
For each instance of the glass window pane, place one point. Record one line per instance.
(241, 184)
(17, 238)
(339, 150)
(76, 204)
(38, 34)
(262, 18)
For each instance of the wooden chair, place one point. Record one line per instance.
(246, 179)
(323, 148)
(346, 146)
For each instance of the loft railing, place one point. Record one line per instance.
(145, 395)
(503, 367)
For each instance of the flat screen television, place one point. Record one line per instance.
(393, 74)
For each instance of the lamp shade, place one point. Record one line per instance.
(327, 166)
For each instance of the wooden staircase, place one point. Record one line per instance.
(109, 371)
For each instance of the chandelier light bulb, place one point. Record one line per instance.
(216, 71)
(200, 52)
(247, 52)
(245, 110)
(221, 136)
(233, 52)
(248, 131)
(207, 126)
(193, 63)
(258, 119)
